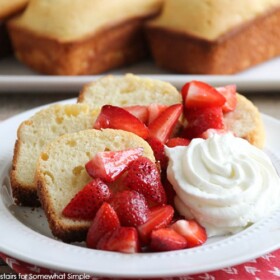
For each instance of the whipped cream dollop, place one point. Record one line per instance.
(224, 182)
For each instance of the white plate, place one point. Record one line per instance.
(15, 77)
(25, 235)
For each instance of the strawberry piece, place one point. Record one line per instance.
(139, 111)
(87, 201)
(169, 190)
(163, 126)
(229, 92)
(105, 220)
(202, 95)
(143, 177)
(154, 110)
(118, 118)
(122, 239)
(158, 149)
(194, 233)
(211, 131)
(167, 239)
(201, 119)
(131, 207)
(177, 141)
(108, 166)
(159, 217)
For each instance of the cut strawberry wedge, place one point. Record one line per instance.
(167, 239)
(159, 217)
(229, 92)
(163, 126)
(122, 239)
(118, 118)
(139, 111)
(211, 131)
(86, 202)
(109, 165)
(154, 110)
(105, 220)
(143, 177)
(202, 95)
(131, 207)
(177, 141)
(194, 233)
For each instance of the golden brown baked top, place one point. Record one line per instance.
(8, 7)
(210, 19)
(67, 20)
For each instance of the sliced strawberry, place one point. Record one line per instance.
(201, 119)
(158, 149)
(122, 239)
(154, 110)
(159, 217)
(169, 190)
(177, 141)
(105, 220)
(139, 111)
(131, 207)
(211, 131)
(202, 95)
(143, 177)
(194, 233)
(108, 166)
(229, 92)
(167, 239)
(163, 126)
(86, 202)
(118, 118)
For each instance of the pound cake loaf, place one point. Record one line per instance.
(128, 90)
(10, 7)
(214, 36)
(77, 37)
(61, 173)
(33, 135)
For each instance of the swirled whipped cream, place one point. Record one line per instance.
(224, 182)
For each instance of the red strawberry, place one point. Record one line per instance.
(158, 149)
(159, 217)
(169, 190)
(122, 239)
(131, 207)
(201, 119)
(118, 118)
(202, 95)
(211, 131)
(163, 126)
(154, 110)
(108, 166)
(229, 92)
(140, 112)
(194, 233)
(177, 141)
(143, 177)
(86, 202)
(167, 239)
(105, 220)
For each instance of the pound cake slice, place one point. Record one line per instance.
(214, 36)
(128, 90)
(61, 173)
(78, 37)
(8, 7)
(33, 135)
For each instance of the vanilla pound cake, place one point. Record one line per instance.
(32, 136)
(128, 90)
(76, 37)
(10, 7)
(215, 36)
(61, 173)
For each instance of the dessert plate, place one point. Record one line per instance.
(16, 77)
(25, 235)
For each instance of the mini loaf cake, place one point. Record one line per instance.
(33, 135)
(75, 37)
(215, 36)
(61, 173)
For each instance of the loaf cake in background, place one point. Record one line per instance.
(214, 36)
(76, 37)
(61, 173)
(10, 7)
